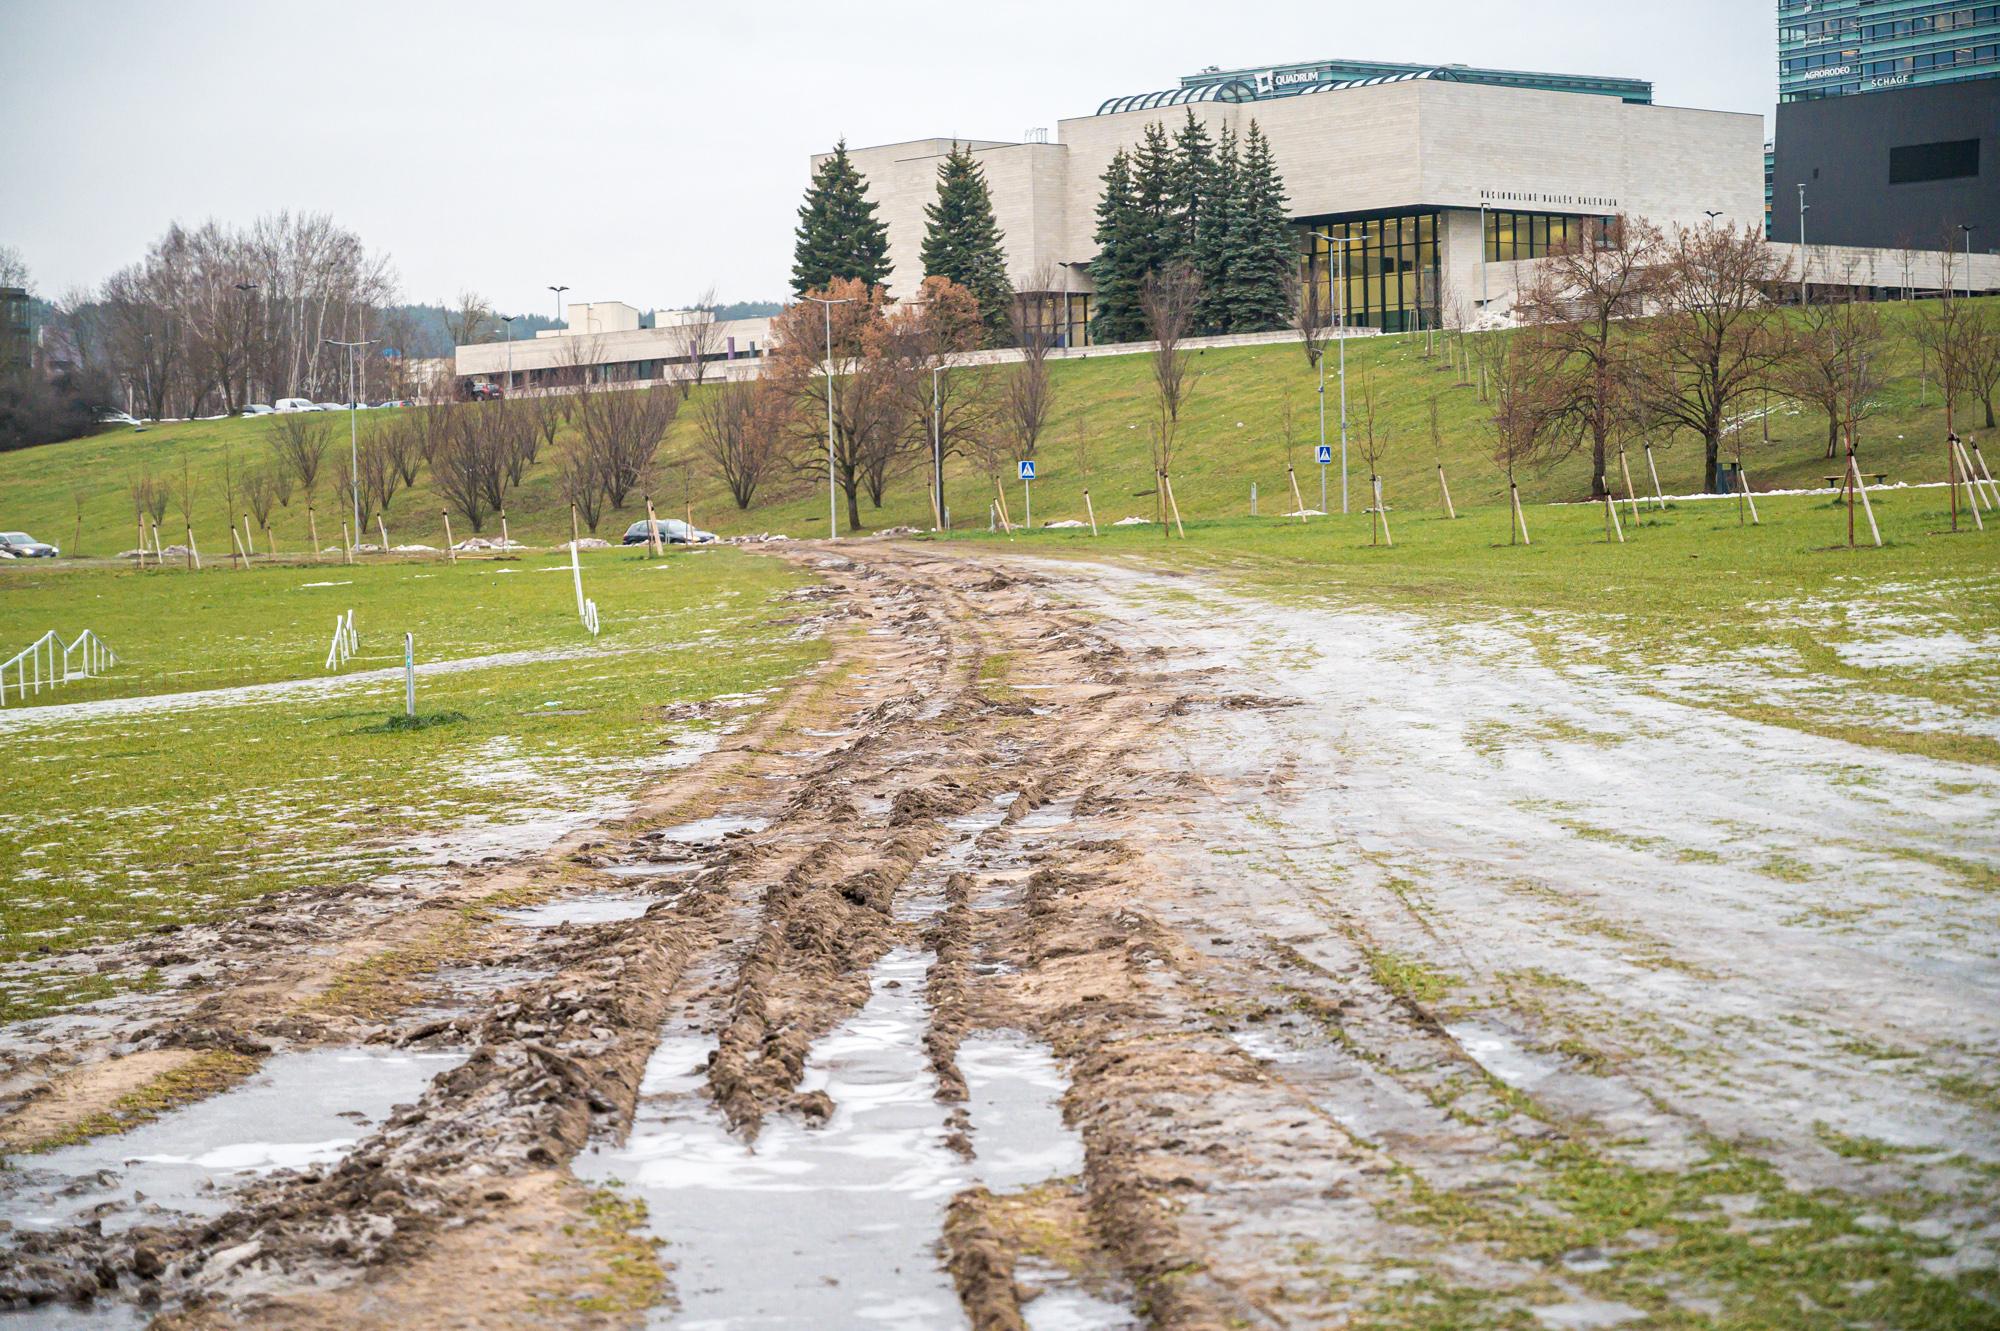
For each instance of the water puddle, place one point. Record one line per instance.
(704, 831)
(85, 1317)
(653, 869)
(1063, 1306)
(578, 910)
(300, 1109)
(839, 1225)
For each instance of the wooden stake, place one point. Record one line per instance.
(1743, 479)
(1631, 495)
(449, 553)
(1992, 490)
(312, 525)
(505, 539)
(1001, 490)
(1854, 475)
(1087, 508)
(1445, 490)
(240, 553)
(249, 541)
(1951, 477)
(194, 555)
(270, 541)
(346, 545)
(142, 542)
(159, 550)
(1298, 504)
(1520, 517)
(1173, 504)
(383, 528)
(1382, 510)
(1658, 497)
(652, 528)
(1963, 466)
(1973, 480)
(1612, 530)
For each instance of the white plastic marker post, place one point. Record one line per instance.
(1382, 509)
(1324, 456)
(1253, 499)
(1028, 491)
(410, 675)
(586, 610)
(1091, 510)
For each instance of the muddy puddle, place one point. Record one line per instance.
(597, 908)
(839, 1225)
(705, 831)
(299, 1110)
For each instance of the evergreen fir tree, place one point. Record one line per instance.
(1153, 193)
(962, 242)
(1124, 245)
(1219, 208)
(1191, 185)
(838, 233)
(1262, 248)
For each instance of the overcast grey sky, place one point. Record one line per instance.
(643, 152)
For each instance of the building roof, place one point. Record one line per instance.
(1289, 80)
(1234, 90)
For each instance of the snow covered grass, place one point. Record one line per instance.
(1779, 622)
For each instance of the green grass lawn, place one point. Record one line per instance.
(1897, 647)
(1233, 433)
(111, 825)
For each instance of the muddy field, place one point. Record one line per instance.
(1087, 948)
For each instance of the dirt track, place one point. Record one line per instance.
(1303, 972)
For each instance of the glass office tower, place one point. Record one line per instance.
(1832, 48)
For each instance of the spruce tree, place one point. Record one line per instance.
(1191, 185)
(1262, 248)
(962, 242)
(1123, 247)
(1219, 209)
(838, 233)
(1153, 195)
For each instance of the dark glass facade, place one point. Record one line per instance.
(1829, 48)
(1392, 269)
(1511, 236)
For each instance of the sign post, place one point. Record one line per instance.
(1324, 456)
(410, 675)
(1028, 492)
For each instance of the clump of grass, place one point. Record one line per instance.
(401, 722)
(629, 1277)
(1408, 979)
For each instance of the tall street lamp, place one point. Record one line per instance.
(1340, 333)
(1968, 228)
(246, 288)
(832, 521)
(937, 443)
(558, 290)
(1805, 260)
(1063, 323)
(508, 320)
(353, 433)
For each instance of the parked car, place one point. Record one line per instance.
(297, 404)
(20, 545)
(329, 406)
(672, 530)
(116, 418)
(255, 409)
(484, 391)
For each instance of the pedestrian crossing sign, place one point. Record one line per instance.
(1324, 454)
(1027, 469)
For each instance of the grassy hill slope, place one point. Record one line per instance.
(1233, 433)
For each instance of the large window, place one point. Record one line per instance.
(1511, 236)
(1917, 162)
(1392, 270)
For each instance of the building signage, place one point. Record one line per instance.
(1605, 202)
(1832, 72)
(1291, 78)
(1889, 81)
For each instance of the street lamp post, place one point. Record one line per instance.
(1340, 333)
(558, 290)
(246, 288)
(508, 320)
(937, 443)
(1804, 260)
(827, 304)
(1968, 228)
(353, 432)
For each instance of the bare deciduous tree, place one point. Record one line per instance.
(1944, 330)
(1027, 393)
(1168, 301)
(622, 429)
(298, 444)
(867, 420)
(1832, 347)
(1715, 344)
(740, 426)
(696, 339)
(469, 466)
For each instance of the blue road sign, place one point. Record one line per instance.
(1324, 454)
(1027, 469)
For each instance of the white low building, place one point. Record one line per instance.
(603, 342)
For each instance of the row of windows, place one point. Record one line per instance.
(1820, 30)
(1391, 270)
(1948, 21)
(1511, 236)
(1805, 64)
(1924, 62)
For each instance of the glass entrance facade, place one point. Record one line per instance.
(1392, 269)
